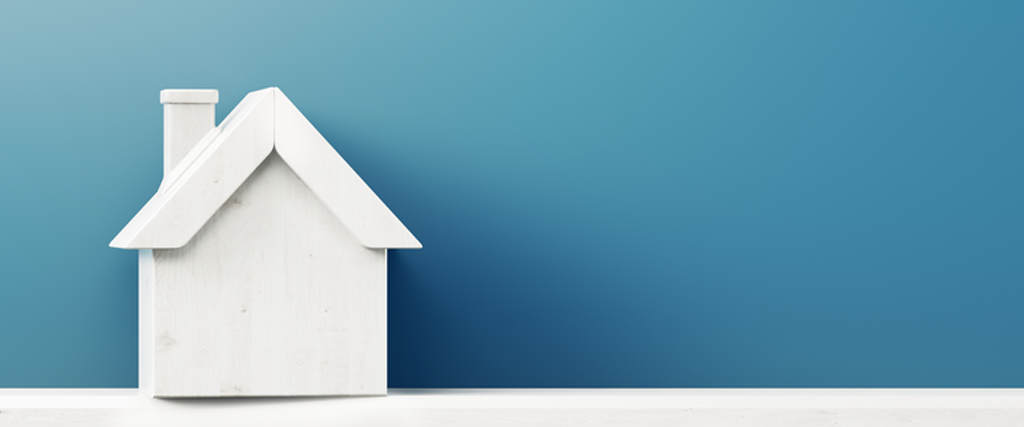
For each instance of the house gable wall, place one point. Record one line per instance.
(273, 296)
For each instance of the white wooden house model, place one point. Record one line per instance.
(262, 258)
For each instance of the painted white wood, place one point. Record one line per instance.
(188, 115)
(263, 269)
(532, 407)
(222, 159)
(274, 296)
(197, 187)
(334, 181)
(146, 311)
(189, 96)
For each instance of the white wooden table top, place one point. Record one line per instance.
(528, 407)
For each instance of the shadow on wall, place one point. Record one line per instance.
(504, 295)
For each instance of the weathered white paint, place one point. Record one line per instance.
(146, 312)
(189, 96)
(273, 297)
(200, 184)
(334, 181)
(193, 191)
(532, 407)
(263, 270)
(188, 115)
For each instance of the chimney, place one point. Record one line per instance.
(188, 115)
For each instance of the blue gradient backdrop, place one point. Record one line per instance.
(610, 194)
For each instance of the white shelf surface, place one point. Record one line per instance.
(528, 407)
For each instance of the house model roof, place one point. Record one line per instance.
(222, 160)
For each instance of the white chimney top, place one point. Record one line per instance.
(188, 96)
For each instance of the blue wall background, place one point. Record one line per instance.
(610, 194)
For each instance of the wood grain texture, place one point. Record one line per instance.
(263, 264)
(222, 159)
(334, 181)
(205, 178)
(146, 313)
(189, 114)
(184, 126)
(272, 297)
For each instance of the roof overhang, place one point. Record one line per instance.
(222, 160)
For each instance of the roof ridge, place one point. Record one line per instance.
(265, 121)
